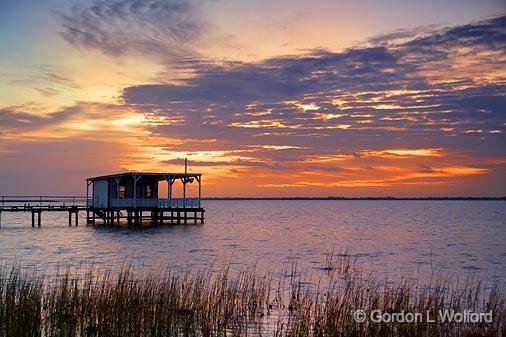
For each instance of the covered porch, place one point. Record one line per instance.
(142, 190)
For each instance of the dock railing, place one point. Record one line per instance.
(161, 203)
(41, 201)
(69, 201)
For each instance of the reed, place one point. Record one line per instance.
(203, 303)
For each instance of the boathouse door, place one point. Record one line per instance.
(100, 193)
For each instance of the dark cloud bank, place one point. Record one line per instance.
(443, 89)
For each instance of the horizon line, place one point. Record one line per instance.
(293, 197)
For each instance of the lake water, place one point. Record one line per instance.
(394, 238)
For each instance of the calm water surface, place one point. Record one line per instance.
(394, 238)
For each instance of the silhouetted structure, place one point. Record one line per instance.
(130, 196)
(134, 196)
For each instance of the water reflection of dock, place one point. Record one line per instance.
(130, 198)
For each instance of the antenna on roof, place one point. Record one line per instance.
(186, 165)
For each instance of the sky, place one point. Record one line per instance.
(264, 98)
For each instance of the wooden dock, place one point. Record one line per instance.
(129, 197)
(112, 216)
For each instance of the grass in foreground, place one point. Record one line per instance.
(246, 304)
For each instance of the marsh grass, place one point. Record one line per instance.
(204, 304)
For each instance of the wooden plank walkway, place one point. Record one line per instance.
(37, 212)
(132, 216)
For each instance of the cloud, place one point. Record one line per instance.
(43, 78)
(12, 119)
(401, 35)
(381, 91)
(490, 33)
(28, 122)
(162, 28)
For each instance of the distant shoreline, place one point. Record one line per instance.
(358, 198)
(50, 198)
(19, 198)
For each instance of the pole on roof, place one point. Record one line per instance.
(170, 191)
(186, 165)
(184, 191)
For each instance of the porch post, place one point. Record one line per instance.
(184, 191)
(87, 193)
(88, 184)
(200, 188)
(136, 179)
(117, 180)
(135, 189)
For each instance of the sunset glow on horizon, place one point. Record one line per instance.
(320, 100)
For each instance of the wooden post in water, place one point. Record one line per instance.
(38, 218)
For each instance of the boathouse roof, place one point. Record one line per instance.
(160, 175)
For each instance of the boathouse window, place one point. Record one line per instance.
(149, 192)
(121, 192)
